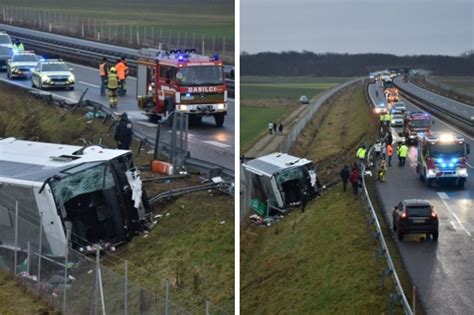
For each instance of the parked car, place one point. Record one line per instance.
(415, 216)
(52, 73)
(21, 65)
(304, 99)
(6, 54)
(397, 121)
(5, 40)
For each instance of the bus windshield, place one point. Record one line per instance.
(196, 76)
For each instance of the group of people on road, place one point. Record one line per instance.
(383, 149)
(274, 128)
(114, 79)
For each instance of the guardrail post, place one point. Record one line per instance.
(386, 273)
(16, 238)
(393, 298)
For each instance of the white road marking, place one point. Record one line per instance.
(144, 123)
(470, 165)
(89, 84)
(443, 195)
(453, 224)
(217, 144)
(189, 134)
(443, 200)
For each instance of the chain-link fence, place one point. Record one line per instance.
(86, 280)
(116, 32)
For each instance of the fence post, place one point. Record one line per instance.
(138, 35)
(207, 307)
(167, 288)
(40, 246)
(126, 288)
(177, 42)
(223, 47)
(66, 261)
(16, 237)
(203, 52)
(28, 259)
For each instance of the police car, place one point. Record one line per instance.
(22, 64)
(52, 73)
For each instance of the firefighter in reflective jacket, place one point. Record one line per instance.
(103, 72)
(112, 87)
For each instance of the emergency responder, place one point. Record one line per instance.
(402, 154)
(345, 173)
(355, 178)
(280, 128)
(377, 149)
(104, 73)
(389, 139)
(382, 171)
(127, 71)
(389, 154)
(112, 87)
(18, 46)
(386, 121)
(275, 127)
(360, 154)
(123, 132)
(121, 68)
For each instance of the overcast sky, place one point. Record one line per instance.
(401, 27)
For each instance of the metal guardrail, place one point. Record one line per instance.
(87, 52)
(223, 186)
(399, 296)
(464, 123)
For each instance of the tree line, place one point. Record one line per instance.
(293, 63)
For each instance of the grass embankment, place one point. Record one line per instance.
(321, 261)
(15, 301)
(462, 84)
(265, 99)
(190, 244)
(209, 18)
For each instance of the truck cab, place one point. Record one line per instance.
(414, 123)
(185, 82)
(442, 157)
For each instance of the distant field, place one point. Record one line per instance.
(266, 99)
(463, 84)
(254, 121)
(209, 18)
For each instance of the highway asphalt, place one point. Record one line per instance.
(444, 102)
(441, 271)
(206, 141)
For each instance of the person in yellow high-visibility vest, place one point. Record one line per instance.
(402, 154)
(360, 154)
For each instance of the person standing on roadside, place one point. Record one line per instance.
(112, 87)
(389, 139)
(345, 176)
(377, 149)
(389, 154)
(123, 132)
(104, 73)
(355, 178)
(402, 154)
(120, 67)
(280, 128)
(270, 128)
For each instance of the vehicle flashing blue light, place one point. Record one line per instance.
(188, 94)
(215, 57)
(440, 160)
(42, 59)
(443, 164)
(454, 160)
(451, 164)
(180, 57)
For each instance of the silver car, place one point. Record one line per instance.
(397, 121)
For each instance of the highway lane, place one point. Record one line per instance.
(441, 271)
(444, 102)
(206, 141)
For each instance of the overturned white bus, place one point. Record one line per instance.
(93, 192)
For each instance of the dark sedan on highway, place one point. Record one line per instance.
(415, 216)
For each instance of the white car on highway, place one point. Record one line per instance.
(380, 109)
(5, 40)
(52, 73)
(399, 106)
(397, 121)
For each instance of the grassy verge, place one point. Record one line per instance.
(318, 262)
(265, 99)
(463, 84)
(15, 301)
(254, 121)
(190, 246)
(321, 261)
(184, 16)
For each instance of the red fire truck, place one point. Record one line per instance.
(169, 81)
(414, 123)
